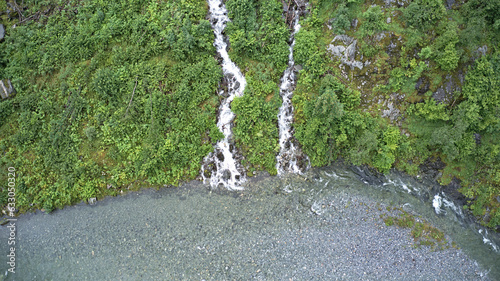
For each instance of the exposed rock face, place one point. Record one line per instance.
(422, 85)
(444, 94)
(6, 89)
(449, 4)
(391, 111)
(481, 51)
(395, 3)
(346, 51)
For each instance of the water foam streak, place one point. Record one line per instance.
(290, 158)
(224, 170)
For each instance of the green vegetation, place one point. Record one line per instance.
(109, 96)
(422, 232)
(259, 46)
(112, 96)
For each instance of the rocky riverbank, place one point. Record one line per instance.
(320, 228)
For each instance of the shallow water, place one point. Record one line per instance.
(323, 225)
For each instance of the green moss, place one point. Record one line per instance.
(422, 232)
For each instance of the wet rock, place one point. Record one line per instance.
(477, 138)
(220, 156)
(451, 190)
(6, 89)
(422, 85)
(449, 4)
(368, 175)
(380, 36)
(226, 175)
(461, 76)
(347, 54)
(219, 58)
(2, 32)
(391, 47)
(444, 94)
(440, 96)
(395, 3)
(297, 67)
(431, 167)
(357, 64)
(391, 112)
(336, 50)
(354, 23)
(344, 38)
(92, 201)
(481, 51)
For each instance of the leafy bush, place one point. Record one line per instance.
(341, 19)
(423, 14)
(373, 20)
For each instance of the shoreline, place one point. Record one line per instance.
(265, 221)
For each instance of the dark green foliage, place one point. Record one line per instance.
(483, 20)
(482, 90)
(258, 32)
(423, 14)
(328, 124)
(444, 51)
(106, 84)
(454, 134)
(307, 52)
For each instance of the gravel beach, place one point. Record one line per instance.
(277, 231)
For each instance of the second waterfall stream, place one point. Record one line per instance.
(290, 158)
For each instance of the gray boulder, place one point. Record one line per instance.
(351, 51)
(2, 31)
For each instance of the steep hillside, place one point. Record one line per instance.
(119, 96)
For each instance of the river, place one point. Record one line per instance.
(323, 225)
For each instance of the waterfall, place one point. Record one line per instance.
(220, 164)
(290, 158)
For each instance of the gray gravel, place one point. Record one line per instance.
(263, 233)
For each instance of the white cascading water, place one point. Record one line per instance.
(224, 169)
(290, 159)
